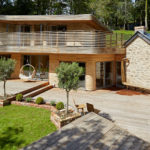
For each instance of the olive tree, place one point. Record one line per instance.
(7, 67)
(68, 77)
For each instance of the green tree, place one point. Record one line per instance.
(6, 7)
(146, 14)
(24, 7)
(68, 77)
(6, 69)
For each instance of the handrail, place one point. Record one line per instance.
(61, 39)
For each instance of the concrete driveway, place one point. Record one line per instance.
(130, 111)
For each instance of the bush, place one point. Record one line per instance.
(39, 100)
(60, 105)
(53, 103)
(28, 99)
(19, 97)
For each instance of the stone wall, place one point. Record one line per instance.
(138, 71)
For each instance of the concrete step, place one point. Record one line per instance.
(38, 91)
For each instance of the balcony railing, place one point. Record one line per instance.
(78, 40)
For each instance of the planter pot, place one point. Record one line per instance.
(62, 121)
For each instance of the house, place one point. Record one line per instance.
(45, 41)
(138, 55)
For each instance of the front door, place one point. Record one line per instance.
(104, 75)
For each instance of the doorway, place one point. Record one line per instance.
(118, 75)
(104, 74)
(41, 64)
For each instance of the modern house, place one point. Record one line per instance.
(137, 72)
(45, 41)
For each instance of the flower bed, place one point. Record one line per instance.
(45, 106)
(60, 119)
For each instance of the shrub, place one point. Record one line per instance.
(39, 100)
(19, 97)
(28, 99)
(53, 103)
(60, 105)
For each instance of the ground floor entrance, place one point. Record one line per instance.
(100, 70)
(40, 63)
(104, 74)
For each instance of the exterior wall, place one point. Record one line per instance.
(18, 58)
(89, 60)
(138, 71)
(2, 27)
(47, 27)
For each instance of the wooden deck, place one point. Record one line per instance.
(91, 132)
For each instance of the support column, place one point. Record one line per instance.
(53, 64)
(90, 78)
(18, 59)
(114, 72)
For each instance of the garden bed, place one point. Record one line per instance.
(61, 120)
(32, 104)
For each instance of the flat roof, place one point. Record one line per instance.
(54, 18)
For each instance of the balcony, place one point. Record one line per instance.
(77, 42)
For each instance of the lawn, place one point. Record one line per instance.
(22, 125)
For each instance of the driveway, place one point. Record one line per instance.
(130, 110)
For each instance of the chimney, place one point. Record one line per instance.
(141, 29)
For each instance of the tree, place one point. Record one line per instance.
(146, 13)
(7, 67)
(68, 77)
(24, 7)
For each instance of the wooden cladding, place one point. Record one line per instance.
(70, 40)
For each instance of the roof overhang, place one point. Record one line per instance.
(54, 18)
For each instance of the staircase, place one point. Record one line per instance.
(34, 91)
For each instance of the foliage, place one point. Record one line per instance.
(117, 14)
(28, 99)
(7, 67)
(53, 103)
(60, 105)
(39, 100)
(19, 97)
(68, 77)
(22, 125)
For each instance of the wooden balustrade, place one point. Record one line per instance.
(70, 39)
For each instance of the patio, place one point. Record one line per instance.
(16, 86)
(129, 112)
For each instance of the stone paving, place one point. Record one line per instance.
(129, 112)
(16, 86)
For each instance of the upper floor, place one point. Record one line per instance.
(82, 34)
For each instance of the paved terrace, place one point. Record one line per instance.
(16, 86)
(90, 132)
(129, 112)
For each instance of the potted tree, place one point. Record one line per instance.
(68, 79)
(7, 67)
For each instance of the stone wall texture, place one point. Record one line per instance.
(138, 71)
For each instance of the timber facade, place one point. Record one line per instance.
(46, 41)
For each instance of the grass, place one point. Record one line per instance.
(131, 32)
(22, 125)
